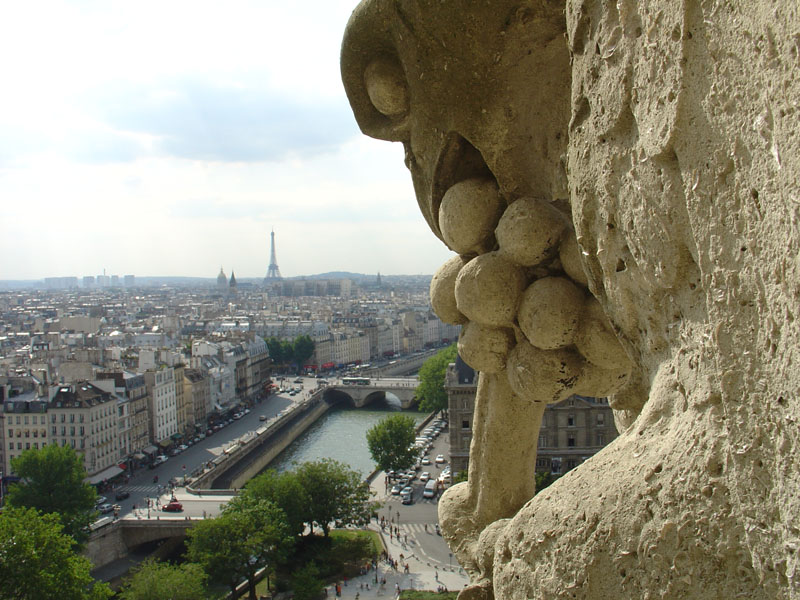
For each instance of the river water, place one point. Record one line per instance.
(341, 434)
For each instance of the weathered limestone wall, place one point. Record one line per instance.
(620, 182)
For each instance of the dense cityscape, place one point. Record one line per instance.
(121, 373)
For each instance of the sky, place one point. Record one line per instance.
(169, 138)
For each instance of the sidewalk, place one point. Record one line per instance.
(424, 573)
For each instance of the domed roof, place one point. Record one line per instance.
(221, 278)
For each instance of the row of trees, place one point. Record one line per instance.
(260, 528)
(296, 352)
(48, 513)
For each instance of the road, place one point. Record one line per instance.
(143, 487)
(417, 522)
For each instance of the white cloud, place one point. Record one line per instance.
(167, 138)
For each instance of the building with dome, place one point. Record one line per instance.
(222, 281)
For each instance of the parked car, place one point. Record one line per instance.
(424, 477)
(161, 458)
(440, 459)
(396, 489)
(407, 498)
(262, 418)
(173, 506)
(100, 500)
(106, 508)
(121, 495)
(426, 460)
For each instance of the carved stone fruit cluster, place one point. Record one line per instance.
(519, 290)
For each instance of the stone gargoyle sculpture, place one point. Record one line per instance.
(620, 182)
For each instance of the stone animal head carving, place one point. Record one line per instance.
(619, 182)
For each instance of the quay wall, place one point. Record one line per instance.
(250, 454)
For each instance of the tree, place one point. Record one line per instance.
(336, 495)
(302, 349)
(242, 540)
(430, 392)
(154, 580)
(37, 560)
(306, 584)
(391, 442)
(282, 489)
(280, 351)
(51, 481)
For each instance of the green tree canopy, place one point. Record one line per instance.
(154, 580)
(284, 490)
(51, 481)
(242, 540)
(431, 393)
(337, 495)
(391, 442)
(37, 560)
(280, 351)
(302, 349)
(306, 584)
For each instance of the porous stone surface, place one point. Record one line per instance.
(468, 215)
(443, 291)
(488, 290)
(666, 135)
(484, 348)
(550, 311)
(529, 231)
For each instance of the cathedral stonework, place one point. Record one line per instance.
(620, 183)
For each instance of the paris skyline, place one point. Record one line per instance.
(169, 140)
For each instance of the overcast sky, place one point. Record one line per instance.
(170, 137)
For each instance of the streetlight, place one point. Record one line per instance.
(450, 555)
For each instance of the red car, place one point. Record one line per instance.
(173, 506)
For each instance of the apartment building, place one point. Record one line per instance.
(85, 417)
(161, 404)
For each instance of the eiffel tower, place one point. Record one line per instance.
(273, 272)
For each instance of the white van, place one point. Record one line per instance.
(430, 489)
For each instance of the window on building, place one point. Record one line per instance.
(63, 431)
(72, 431)
(571, 464)
(81, 419)
(571, 441)
(601, 419)
(36, 433)
(10, 433)
(82, 430)
(53, 430)
(63, 418)
(27, 433)
(72, 418)
(19, 445)
(10, 445)
(465, 424)
(36, 445)
(601, 439)
(25, 420)
(571, 421)
(18, 421)
(73, 443)
(542, 440)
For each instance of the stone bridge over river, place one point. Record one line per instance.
(361, 395)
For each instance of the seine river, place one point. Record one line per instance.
(339, 434)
